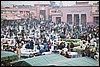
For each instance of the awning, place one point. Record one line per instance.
(72, 40)
(5, 55)
(12, 18)
(55, 60)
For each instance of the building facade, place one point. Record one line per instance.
(72, 14)
(81, 12)
(95, 13)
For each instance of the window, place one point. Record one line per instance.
(69, 18)
(76, 18)
(96, 20)
(58, 19)
(50, 17)
(27, 11)
(83, 18)
(21, 11)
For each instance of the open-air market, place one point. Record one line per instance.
(48, 34)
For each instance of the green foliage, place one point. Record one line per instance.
(72, 40)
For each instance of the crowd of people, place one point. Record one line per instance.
(45, 33)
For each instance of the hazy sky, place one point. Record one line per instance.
(65, 3)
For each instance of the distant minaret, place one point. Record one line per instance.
(60, 4)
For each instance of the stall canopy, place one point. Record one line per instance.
(55, 60)
(12, 18)
(5, 55)
(72, 40)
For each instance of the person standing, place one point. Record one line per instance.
(64, 29)
(87, 50)
(31, 44)
(62, 53)
(18, 52)
(71, 46)
(67, 55)
(1, 46)
(83, 45)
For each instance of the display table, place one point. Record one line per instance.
(78, 48)
(45, 53)
(29, 53)
(57, 51)
(73, 54)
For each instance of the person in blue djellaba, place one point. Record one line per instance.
(27, 46)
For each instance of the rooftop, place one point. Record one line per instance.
(24, 6)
